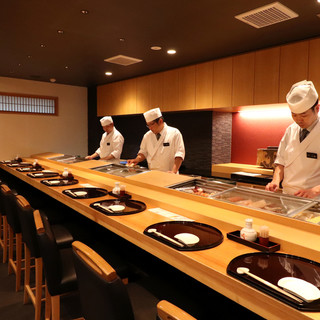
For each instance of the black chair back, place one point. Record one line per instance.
(10, 208)
(58, 264)
(102, 297)
(28, 227)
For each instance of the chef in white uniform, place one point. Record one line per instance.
(111, 142)
(298, 157)
(162, 145)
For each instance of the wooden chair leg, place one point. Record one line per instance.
(11, 265)
(18, 260)
(38, 295)
(1, 231)
(48, 305)
(27, 271)
(28, 291)
(55, 307)
(5, 239)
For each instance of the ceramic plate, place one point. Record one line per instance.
(54, 181)
(188, 238)
(301, 288)
(116, 207)
(80, 193)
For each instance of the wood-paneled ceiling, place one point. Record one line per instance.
(199, 30)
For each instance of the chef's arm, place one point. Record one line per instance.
(177, 164)
(94, 155)
(308, 193)
(109, 157)
(277, 178)
(140, 157)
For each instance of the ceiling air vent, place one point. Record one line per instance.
(122, 60)
(267, 15)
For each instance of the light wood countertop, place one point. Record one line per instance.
(224, 170)
(207, 266)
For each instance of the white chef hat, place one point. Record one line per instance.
(105, 121)
(302, 96)
(152, 114)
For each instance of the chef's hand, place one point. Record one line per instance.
(89, 157)
(132, 162)
(272, 186)
(308, 193)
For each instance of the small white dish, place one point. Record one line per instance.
(54, 182)
(301, 288)
(187, 238)
(80, 193)
(116, 207)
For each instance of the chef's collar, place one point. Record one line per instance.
(313, 125)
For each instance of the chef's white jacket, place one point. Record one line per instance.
(111, 143)
(160, 154)
(301, 161)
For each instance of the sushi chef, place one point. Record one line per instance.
(298, 157)
(162, 145)
(111, 142)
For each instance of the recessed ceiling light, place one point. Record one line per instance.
(171, 51)
(108, 73)
(156, 48)
(29, 57)
(42, 45)
(60, 31)
(122, 39)
(84, 11)
(66, 67)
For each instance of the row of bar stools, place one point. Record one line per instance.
(21, 227)
(3, 229)
(15, 236)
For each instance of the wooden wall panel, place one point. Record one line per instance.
(143, 94)
(187, 88)
(222, 83)
(314, 63)
(108, 99)
(170, 90)
(128, 98)
(204, 87)
(266, 80)
(156, 90)
(293, 66)
(243, 79)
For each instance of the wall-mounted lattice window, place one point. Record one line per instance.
(20, 103)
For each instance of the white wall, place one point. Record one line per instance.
(23, 134)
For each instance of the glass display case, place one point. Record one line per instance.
(203, 187)
(68, 159)
(120, 170)
(277, 203)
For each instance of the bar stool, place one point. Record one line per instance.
(58, 266)
(3, 229)
(15, 235)
(104, 296)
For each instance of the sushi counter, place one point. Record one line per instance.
(193, 224)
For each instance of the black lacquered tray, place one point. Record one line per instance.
(85, 193)
(29, 169)
(19, 164)
(209, 236)
(59, 182)
(274, 266)
(130, 206)
(42, 174)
